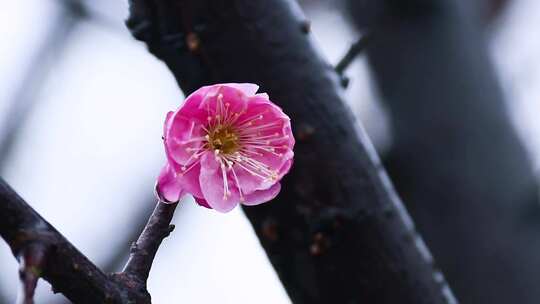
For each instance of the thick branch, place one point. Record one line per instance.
(43, 252)
(68, 270)
(456, 159)
(337, 233)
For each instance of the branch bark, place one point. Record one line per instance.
(118, 258)
(456, 159)
(144, 250)
(68, 270)
(43, 252)
(337, 233)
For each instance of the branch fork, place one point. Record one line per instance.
(43, 252)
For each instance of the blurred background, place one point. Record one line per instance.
(81, 111)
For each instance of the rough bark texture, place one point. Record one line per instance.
(43, 252)
(68, 270)
(456, 160)
(337, 233)
(144, 250)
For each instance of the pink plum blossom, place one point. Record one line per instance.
(226, 145)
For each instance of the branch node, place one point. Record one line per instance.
(344, 80)
(31, 262)
(193, 42)
(133, 247)
(306, 26)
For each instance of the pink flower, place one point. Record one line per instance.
(226, 145)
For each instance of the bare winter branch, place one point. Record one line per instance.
(43, 252)
(354, 50)
(337, 233)
(68, 270)
(144, 250)
(456, 158)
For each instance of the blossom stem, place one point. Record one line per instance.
(43, 252)
(145, 248)
(37, 244)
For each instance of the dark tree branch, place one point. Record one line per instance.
(119, 257)
(456, 160)
(144, 250)
(356, 48)
(44, 252)
(24, 99)
(68, 270)
(337, 233)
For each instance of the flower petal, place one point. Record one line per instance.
(167, 124)
(264, 157)
(248, 181)
(212, 182)
(285, 168)
(182, 140)
(191, 109)
(224, 97)
(273, 126)
(189, 181)
(167, 188)
(262, 196)
(202, 202)
(263, 95)
(247, 88)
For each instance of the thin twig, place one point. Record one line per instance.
(144, 250)
(43, 252)
(355, 49)
(68, 270)
(119, 257)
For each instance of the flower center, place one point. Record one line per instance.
(224, 139)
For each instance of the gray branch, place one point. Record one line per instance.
(43, 252)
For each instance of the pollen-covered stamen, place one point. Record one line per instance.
(223, 139)
(195, 156)
(237, 182)
(236, 141)
(223, 167)
(259, 136)
(245, 151)
(249, 121)
(186, 169)
(190, 140)
(256, 129)
(253, 166)
(271, 150)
